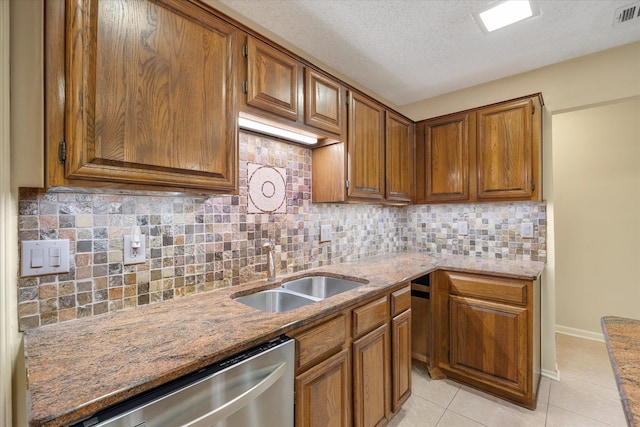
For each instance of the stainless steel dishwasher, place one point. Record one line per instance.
(254, 388)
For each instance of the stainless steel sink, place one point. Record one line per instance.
(276, 300)
(321, 286)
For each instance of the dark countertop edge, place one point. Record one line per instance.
(78, 413)
(628, 413)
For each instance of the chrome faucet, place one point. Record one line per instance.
(271, 263)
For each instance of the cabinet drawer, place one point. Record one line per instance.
(369, 316)
(321, 340)
(496, 289)
(400, 300)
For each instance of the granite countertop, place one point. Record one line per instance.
(622, 336)
(77, 368)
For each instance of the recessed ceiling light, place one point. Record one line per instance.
(501, 14)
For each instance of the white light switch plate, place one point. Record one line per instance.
(325, 233)
(42, 257)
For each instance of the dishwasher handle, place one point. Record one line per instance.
(240, 401)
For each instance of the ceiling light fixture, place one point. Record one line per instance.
(267, 129)
(501, 14)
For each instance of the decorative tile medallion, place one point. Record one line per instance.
(267, 185)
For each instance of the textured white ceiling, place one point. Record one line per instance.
(410, 50)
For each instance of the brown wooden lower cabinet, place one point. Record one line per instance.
(487, 334)
(371, 387)
(323, 393)
(401, 359)
(355, 367)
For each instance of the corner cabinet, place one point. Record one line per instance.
(487, 334)
(375, 164)
(486, 154)
(140, 95)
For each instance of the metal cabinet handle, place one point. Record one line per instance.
(240, 401)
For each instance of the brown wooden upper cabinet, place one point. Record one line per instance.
(281, 89)
(324, 102)
(399, 158)
(365, 159)
(443, 155)
(486, 154)
(272, 82)
(148, 97)
(508, 145)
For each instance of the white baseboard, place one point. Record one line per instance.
(554, 375)
(580, 333)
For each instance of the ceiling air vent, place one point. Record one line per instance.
(626, 14)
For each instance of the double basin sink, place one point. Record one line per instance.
(297, 293)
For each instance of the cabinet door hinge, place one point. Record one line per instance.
(62, 151)
(346, 97)
(347, 183)
(533, 109)
(245, 87)
(533, 186)
(245, 50)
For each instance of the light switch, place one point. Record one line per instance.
(526, 229)
(37, 258)
(40, 257)
(54, 257)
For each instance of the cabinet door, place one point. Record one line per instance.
(365, 148)
(371, 378)
(324, 102)
(505, 151)
(399, 155)
(323, 393)
(149, 95)
(445, 163)
(488, 341)
(401, 359)
(272, 79)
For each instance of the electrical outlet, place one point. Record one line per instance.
(526, 230)
(463, 228)
(134, 255)
(325, 233)
(380, 229)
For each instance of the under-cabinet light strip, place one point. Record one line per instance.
(275, 131)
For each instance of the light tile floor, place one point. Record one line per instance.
(585, 396)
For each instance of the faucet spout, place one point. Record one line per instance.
(271, 263)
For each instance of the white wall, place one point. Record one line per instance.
(25, 149)
(7, 301)
(596, 167)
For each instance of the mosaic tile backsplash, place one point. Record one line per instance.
(197, 244)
